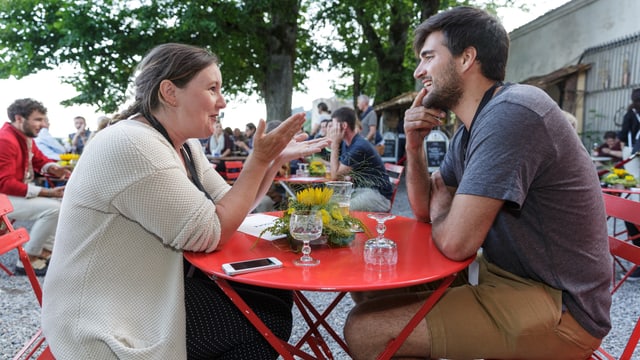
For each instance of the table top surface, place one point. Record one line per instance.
(226, 158)
(340, 269)
(302, 179)
(601, 158)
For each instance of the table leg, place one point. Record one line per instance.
(286, 188)
(283, 348)
(306, 307)
(395, 344)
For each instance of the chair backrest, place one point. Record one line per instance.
(395, 173)
(232, 170)
(626, 210)
(11, 238)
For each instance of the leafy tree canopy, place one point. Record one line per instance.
(105, 39)
(266, 46)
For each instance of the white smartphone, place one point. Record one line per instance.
(243, 267)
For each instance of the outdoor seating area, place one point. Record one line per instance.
(421, 180)
(20, 309)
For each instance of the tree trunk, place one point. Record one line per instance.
(281, 54)
(279, 87)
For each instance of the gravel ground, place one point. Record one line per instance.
(19, 317)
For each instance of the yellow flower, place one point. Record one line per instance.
(326, 218)
(629, 178)
(620, 172)
(336, 214)
(314, 196)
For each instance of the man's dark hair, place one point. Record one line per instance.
(465, 27)
(24, 108)
(251, 126)
(610, 135)
(323, 107)
(345, 114)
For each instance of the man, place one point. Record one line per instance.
(20, 159)
(49, 146)
(353, 156)
(246, 144)
(369, 120)
(80, 138)
(515, 182)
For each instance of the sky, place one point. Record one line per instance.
(46, 86)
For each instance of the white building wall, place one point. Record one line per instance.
(558, 38)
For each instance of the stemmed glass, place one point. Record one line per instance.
(381, 250)
(306, 225)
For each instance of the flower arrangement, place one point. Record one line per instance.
(619, 177)
(336, 226)
(316, 167)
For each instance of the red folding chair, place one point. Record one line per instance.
(232, 170)
(622, 249)
(14, 239)
(620, 208)
(11, 239)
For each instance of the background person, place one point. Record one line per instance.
(220, 144)
(116, 287)
(368, 119)
(517, 183)
(20, 160)
(246, 145)
(353, 156)
(612, 147)
(629, 134)
(81, 136)
(323, 114)
(48, 145)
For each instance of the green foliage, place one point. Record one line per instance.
(266, 46)
(105, 39)
(372, 41)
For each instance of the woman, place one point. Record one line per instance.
(220, 144)
(140, 195)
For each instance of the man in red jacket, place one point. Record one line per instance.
(20, 159)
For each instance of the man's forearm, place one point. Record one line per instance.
(418, 184)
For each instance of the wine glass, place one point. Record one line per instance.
(306, 225)
(381, 250)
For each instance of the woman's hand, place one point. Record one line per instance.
(266, 147)
(284, 142)
(299, 148)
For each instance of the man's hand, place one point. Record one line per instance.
(59, 172)
(55, 192)
(441, 197)
(418, 122)
(335, 132)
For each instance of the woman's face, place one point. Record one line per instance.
(218, 129)
(199, 103)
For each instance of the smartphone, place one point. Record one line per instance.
(243, 267)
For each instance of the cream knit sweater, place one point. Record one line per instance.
(114, 288)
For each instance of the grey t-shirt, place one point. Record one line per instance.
(369, 119)
(553, 226)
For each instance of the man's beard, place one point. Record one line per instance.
(448, 92)
(29, 133)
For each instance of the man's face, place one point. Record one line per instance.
(438, 73)
(363, 105)
(31, 125)
(79, 123)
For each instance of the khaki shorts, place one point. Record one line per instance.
(505, 316)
